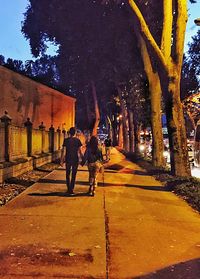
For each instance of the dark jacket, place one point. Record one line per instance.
(92, 157)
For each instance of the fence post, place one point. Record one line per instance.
(6, 119)
(42, 129)
(51, 135)
(29, 126)
(59, 137)
(64, 133)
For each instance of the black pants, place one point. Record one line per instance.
(71, 170)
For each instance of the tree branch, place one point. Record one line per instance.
(180, 30)
(167, 29)
(147, 34)
(96, 109)
(146, 59)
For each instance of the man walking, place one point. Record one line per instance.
(70, 151)
(108, 144)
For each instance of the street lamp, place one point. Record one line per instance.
(197, 21)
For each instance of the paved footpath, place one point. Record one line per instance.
(132, 228)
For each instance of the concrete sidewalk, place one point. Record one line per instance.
(132, 228)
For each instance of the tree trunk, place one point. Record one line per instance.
(176, 128)
(124, 121)
(131, 130)
(110, 132)
(170, 56)
(155, 97)
(115, 131)
(137, 130)
(120, 135)
(156, 122)
(96, 108)
(125, 132)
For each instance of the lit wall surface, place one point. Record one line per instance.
(23, 98)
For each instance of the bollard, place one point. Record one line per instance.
(29, 126)
(59, 137)
(51, 137)
(6, 119)
(42, 129)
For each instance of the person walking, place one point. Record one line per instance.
(108, 144)
(93, 156)
(70, 153)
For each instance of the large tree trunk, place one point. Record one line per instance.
(124, 121)
(169, 56)
(96, 108)
(156, 123)
(155, 97)
(176, 129)
(131, 130)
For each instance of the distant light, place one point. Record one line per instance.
(195, 172)
(142, 147)
(166, 154)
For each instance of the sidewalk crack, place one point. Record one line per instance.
(106, 218)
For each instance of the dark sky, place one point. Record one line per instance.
(14, 45)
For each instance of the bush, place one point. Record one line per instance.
(186, 187)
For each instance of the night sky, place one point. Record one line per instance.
(15, 46)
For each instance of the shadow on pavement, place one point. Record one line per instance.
(106, 184)
(152, 188)
(19, 181)
(138, 172)
(53, 181)
(145, 187)
(58, 194)
(115, 167)
(42, 170)
(79, 170)
(183, 270)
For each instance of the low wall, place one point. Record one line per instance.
(24, 148)
(15, 168)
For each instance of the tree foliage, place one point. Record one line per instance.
(43, 69)
(194, 54)
(96, 42)
(189, 81)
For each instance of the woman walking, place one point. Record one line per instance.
(93, 156)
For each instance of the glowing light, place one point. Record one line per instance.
(142, 147)
(166, 154)
(195, 172)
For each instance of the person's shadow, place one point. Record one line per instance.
(59, 194)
